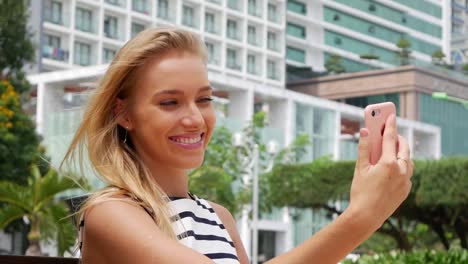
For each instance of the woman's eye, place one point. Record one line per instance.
(205, 100)
(168, 103)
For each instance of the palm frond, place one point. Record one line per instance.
(16, 194)
(65, 230)
(53, 183)
(9, 213)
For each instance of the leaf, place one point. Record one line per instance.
(15, 194)
(9, 213)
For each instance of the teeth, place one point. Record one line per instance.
(187, 140)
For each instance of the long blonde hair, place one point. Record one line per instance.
(114, 160)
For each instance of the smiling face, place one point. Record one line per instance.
(170, 115)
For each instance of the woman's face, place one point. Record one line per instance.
(170, 111)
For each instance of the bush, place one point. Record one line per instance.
(425, 256)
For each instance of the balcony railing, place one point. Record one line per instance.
(115, 2)
(57, 54)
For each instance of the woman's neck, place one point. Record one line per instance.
(174, 182)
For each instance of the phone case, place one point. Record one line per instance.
(375, 116)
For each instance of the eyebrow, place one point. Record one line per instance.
(173, 91)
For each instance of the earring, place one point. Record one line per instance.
(126, 131)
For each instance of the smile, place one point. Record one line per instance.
(190, 142)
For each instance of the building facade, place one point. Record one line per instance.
(410, 88)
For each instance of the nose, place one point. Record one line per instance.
(193, 118)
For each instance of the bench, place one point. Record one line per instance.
(7, 259)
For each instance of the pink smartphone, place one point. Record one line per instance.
(375, 116)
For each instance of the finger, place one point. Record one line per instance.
(411, 169)
(363, 148)
(389, 139)
(403, 148)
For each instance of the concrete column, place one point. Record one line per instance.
(241, 105)
(410, 138)
(288, 243)
(40, 108)
(337, 135)
(281, 117)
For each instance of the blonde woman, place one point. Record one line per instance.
(149, 123)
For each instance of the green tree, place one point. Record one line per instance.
(369, 56)
(404, 51)
(48, 218)
(438, 58)
(333, 64)
(437, 202)
(19, 143)
(16, 47)
(219, 179)
(465, 69)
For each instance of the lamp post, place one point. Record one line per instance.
(444, 96)
(248, 155)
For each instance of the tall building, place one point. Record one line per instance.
(243, 38)
(249, 43)
(459, 53)
(362, 30)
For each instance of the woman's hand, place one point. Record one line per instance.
(377, 190)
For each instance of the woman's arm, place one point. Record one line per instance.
(121, 233)
(376, 192)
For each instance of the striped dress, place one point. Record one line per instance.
(198, 227)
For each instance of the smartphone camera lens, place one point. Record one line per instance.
(373, 113)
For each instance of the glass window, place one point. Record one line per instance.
(253, 8)
(83, 19)
(252, 35)
(295, 54)
(82, 54)
(296, 30)
(188, 18)
(113, 2)
(233, 4)
(210, 23)
(231, 59)
(272, 13)
(232, 29)
(57, 12)
(297, 7)
(271, 70)
(52, 41)
(251, 64)
(212, 58)
(137, 28)
(140, 6)
(110, 27)
(271, 41)
(163, 9)
(108, 55)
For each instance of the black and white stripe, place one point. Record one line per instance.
(199, 228)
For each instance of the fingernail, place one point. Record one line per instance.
(363, 132)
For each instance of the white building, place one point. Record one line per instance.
(248, 49)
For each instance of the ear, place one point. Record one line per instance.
(121, 113)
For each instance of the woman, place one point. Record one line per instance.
(149, 123)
